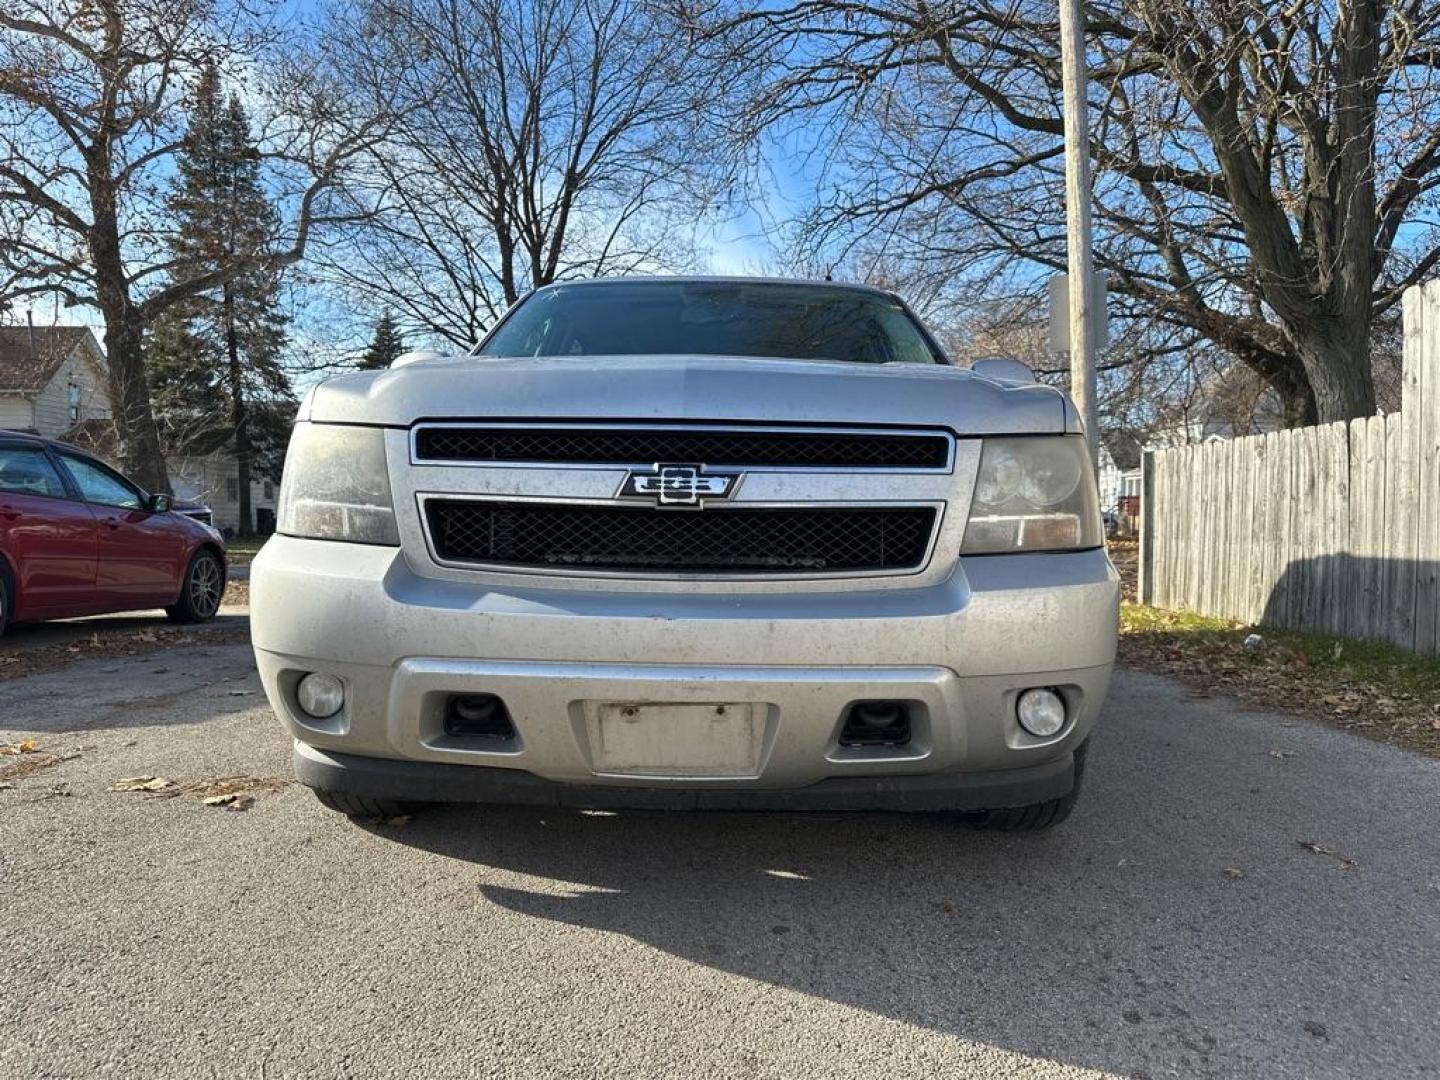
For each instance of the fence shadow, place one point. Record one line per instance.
(1370, 599)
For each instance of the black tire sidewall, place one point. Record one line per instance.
(363, 806)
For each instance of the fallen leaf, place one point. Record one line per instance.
(220, 800)
(231, 785)
(1341, 861)
(24, 746)
(141, 783)
(1234, 872)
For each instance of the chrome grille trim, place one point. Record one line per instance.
(817, 430)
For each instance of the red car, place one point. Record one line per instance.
(77, 538)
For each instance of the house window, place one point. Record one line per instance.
(74, 394)
(232, 489)
(269, 489)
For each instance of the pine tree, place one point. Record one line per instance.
(385, 346)
(216, 366)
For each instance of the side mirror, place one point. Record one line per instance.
(415, 357)
(1003, 369)
(160, 504)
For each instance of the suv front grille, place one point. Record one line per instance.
(757, 448)
(732, 540)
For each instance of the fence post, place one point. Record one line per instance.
(1422, 410)
(1146, 588)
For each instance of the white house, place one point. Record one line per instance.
(54, 382)
(51, 379)
(211, 479)
(1108, 479)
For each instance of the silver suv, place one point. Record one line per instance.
(700, 543)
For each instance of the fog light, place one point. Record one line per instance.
(320, 695)
(1041, 712)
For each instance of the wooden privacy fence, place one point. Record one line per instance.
(1334, 528)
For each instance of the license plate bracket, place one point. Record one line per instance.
(683, 740)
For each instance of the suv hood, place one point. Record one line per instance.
(704, 388)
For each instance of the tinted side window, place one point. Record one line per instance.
(25, 471)
(99, 485)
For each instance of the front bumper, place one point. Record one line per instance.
(423, 781)
(959, 652)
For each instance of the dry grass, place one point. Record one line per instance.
(241, 549)
(1371, 689)
(29, 760)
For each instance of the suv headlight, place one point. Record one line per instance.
(1033, 493)
(336, 486)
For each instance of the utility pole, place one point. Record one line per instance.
(1077, 219)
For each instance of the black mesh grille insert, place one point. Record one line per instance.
(640, 446)
(730, 540)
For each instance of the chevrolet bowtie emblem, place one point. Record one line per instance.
(679, 485)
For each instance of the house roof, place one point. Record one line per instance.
(1124, 447)
(29, 357)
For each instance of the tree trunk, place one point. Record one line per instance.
(239, 415)
(140, 454)
(1297, 400)
(1337, 362)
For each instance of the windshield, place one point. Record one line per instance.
(764, 319)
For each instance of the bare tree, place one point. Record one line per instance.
(531, 140)
(1265, 173)
(91, 116)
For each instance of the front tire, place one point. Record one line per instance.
(201, 590)
(1037, 816)
(360, 806)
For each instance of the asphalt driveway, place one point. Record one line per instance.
(1238, 895)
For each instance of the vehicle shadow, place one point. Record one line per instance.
(1128, 937)
(155, 678)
